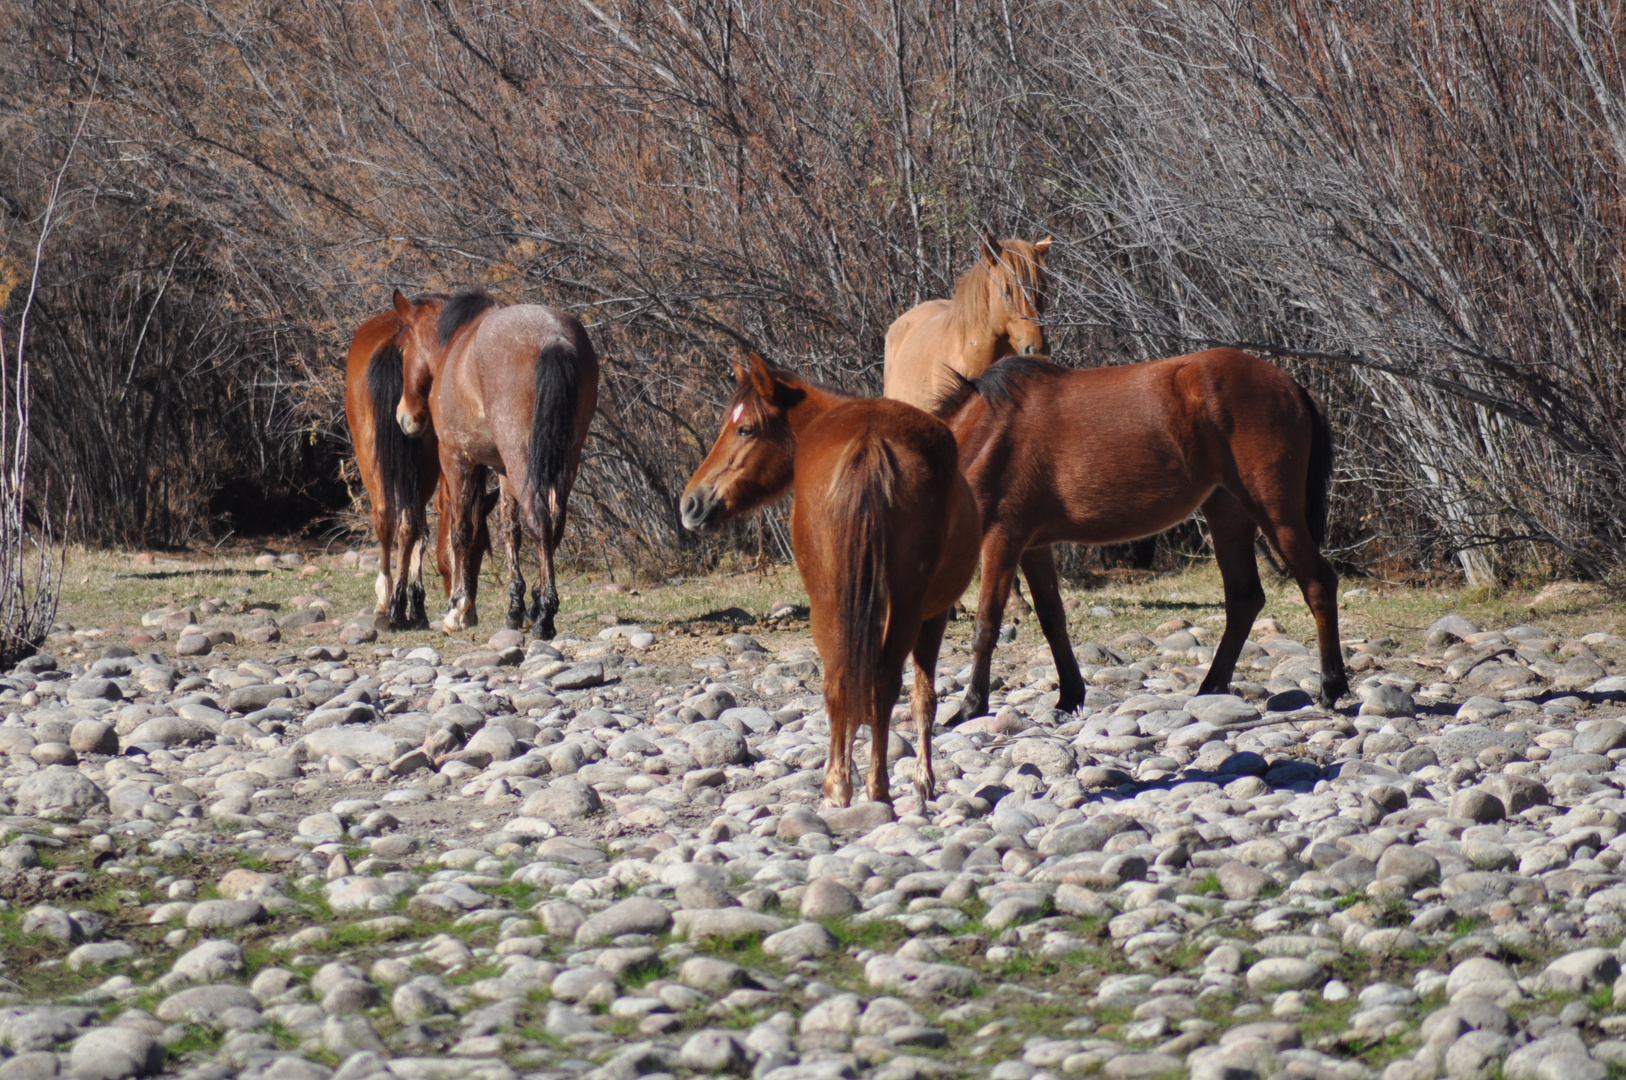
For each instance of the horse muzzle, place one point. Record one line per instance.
(699, 510)
(411, 425)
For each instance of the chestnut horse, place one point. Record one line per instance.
(510, 389)
(995, 313)
(885, 532)
(399, 473)
(1105, 455)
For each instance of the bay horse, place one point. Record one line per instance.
(505, 389)
(995, 313)
(399, 473)
(885, 532)
(1105, 455)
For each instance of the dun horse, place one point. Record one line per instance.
(400, 473)
(885, 532)
(507, 389)
(1105, 455)
(995, 313)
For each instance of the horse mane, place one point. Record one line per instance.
(971, 289)
(1000, 385)
(780, 376)
(461, 310)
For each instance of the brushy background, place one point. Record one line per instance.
(1416, 207)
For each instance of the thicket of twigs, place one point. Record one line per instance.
(1417, 207)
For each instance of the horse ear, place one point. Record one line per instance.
(1042, 246)
(741, 375)
(761, 378)
(403, 306)
(990, 248)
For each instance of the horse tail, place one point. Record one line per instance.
(553, 430)
(1318, 480)
(862, 488)
(395, 452)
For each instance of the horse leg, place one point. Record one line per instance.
(923, 700)
(464, 483)
(384, 585)
(511, 524)
(838, 769)
(545, 600)
(1319, 584)
(1233, 534)
(999, 558)
(1039, 566)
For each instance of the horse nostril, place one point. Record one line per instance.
(1029, 350)
(690, 508)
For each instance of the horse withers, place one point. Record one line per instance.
(885, 532)
(506, 389)
(1105, 455)
(996, 312)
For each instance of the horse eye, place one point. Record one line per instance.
(746, 431)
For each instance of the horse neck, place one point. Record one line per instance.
(972, 321)
(814, 404)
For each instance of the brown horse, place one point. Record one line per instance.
(511, 389)
(885, 532)
(995, 313)
(1104, 455)
(400, 473)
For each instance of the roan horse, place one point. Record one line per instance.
(995, 313)
(510, 389)
(400, 473)
(1104, 455)
(885, 532)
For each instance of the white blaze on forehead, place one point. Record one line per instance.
(737, 410)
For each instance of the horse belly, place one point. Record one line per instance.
(1141, 494)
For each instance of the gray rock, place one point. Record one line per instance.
(917, 978)
(224, 914)
(1241, 881)
(718, 746)
(566, 799)
(1415, 868)
(827, 898)
(1601, 737)
(171, 731)
(712, 1050)
(1284, 973)
(804, 941)
(580, 677)
(207, 962)
(93, 737)
(58, 791)
(1386, 700)
(726, 924)
(634, 916)
(115, 1053)
(1580, 972)
(205, 1005)
(1477, 804)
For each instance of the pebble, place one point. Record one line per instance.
(499, 843)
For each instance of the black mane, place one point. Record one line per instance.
(461, 310)
(1000, 385)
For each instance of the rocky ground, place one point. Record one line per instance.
(256, 839)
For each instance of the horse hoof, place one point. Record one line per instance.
(545, 632)
(975, 704)
(1332, 690)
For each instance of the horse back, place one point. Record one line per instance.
(917, 349)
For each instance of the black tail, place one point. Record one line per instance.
(553, 430)
(1318, 482)
(395, 452)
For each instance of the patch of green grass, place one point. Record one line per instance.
(878, 934)
(1206, 886)
(198, 1040)
(1464, 925)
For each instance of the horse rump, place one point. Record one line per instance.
(553, 431)
(1318, 479)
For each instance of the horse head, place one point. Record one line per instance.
(1016, 273)
(751, 462)
(421, 358)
